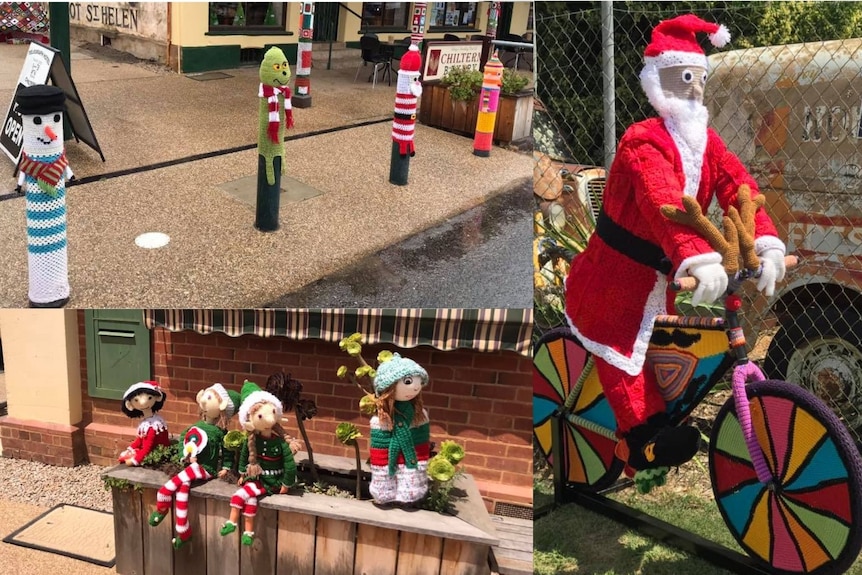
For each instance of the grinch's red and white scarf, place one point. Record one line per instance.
(47, 174)
(271, 94)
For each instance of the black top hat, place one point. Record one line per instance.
(40, 99)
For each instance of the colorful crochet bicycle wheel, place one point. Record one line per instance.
(809, 520)
(588, 449)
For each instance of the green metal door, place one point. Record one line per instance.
(326, 21)
(118, 351)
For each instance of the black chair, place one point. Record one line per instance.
(451, 38)
(511, 55)
(475, 37)
(373, 53)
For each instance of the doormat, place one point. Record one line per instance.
(206, 76)
(72, 531)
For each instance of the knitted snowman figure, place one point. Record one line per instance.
(144, 399)
(266, 462)
(202, 446)
(43, 174)
(400, 433)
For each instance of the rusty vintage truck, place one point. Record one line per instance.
(793, 114)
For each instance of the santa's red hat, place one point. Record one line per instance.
(411, 61)
(674, 42)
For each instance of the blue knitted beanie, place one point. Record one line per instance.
(391, 371)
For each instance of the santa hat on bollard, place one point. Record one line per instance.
(674, 42)
(411, 62)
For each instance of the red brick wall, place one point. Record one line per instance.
(481, 400)
(49, 443)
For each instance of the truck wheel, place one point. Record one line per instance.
(821, 350)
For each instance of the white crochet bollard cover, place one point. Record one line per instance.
(46, 214)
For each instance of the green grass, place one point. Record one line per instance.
(572, 539)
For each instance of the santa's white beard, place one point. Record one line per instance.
(687, 122)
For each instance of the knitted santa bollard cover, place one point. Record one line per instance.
(275, 113)
(489, 102)
(144, 399)
(400, 433)
(404, 123)
(202, 447)
(43, 174)
(302, 97)
(266, 462)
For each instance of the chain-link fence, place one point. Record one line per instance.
(786, 97)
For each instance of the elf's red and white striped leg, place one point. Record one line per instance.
(246, 496)
(186, 476)
(182, 519)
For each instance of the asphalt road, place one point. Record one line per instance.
(479, 259)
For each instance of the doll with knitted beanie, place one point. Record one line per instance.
(266, 461)
(201, 446)
(400, 433)
(619, 284)
(144, 399)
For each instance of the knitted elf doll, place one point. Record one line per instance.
(43, 174)
(275, 110)
(400, 433)
(266, 462)
(202, 447)
(144, 399)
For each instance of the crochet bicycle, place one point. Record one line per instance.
(785, 472)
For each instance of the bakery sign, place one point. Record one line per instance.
(440, 57)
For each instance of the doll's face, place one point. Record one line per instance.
(408, 387)
(262, 418)
(210, 403)
(43, 134)
(683, 82)
(143, 401)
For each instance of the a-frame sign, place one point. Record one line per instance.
(44, 63)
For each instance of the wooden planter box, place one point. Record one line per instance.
(301, 534)
(514, 117)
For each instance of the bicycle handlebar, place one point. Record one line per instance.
(689, 283)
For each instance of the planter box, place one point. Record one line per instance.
(514, 116)
(301, 534)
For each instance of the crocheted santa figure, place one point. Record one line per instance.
(617, 287)
(400, 433)
(407, 93)
(43, 174)
(144, 399)
(201, 446)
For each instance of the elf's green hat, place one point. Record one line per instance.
(251, 394)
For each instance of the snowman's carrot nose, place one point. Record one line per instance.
(50, 133)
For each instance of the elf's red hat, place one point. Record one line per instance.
(674, 43)
(411, 61)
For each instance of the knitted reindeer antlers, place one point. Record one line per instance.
(738, 228)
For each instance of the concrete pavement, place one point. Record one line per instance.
(142, 115)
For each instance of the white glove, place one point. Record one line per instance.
(772, 269)
(711, 282)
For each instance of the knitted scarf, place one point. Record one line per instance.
(47, 174)
(402, 438)
(271, 94)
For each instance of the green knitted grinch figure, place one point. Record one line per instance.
(266, 462)
(275, 110)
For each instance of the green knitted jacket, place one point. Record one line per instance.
(275, 459)
(209, 456)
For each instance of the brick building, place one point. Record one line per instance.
(66, 371)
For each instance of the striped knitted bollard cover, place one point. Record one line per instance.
(404, 123)
(489, 102)
(43, 174)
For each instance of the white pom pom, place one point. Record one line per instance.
(720, 38)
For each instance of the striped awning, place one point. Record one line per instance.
(445, 329)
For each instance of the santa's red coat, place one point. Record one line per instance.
(611, 300)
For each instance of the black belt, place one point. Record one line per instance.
(636, 248)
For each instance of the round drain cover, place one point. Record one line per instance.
(152, 240)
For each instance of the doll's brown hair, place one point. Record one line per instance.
(253, 469)
(386, 407)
